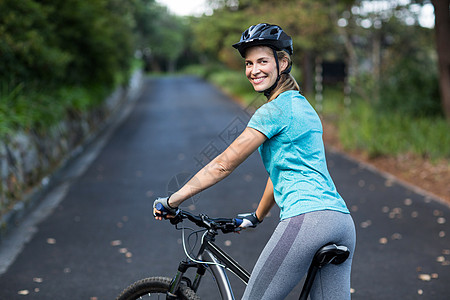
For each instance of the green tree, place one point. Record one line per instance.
(97, 33)
(161, 37)
(29, 50)
(442, 25)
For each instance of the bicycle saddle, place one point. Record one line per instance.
(331, 254)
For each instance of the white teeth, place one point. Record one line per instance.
(258, 80)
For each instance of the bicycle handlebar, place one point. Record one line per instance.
(226, 225)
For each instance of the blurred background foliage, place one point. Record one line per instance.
(59, 58)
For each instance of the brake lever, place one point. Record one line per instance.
(231, 227)
(176, 219)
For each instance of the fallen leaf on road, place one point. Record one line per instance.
(437, 213)
(396, 212)
(441, 220)
(366, 224)
(424, 277)
(396, 236)
(383, 240)
(23, 292)
(38, 280)
(440, 259)
(123, 250)
(435, 276)
(420, 292)
(407, 202)
(116, 243)
(51, 241)
(389, 182)
(441, 234)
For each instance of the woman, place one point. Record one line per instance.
(288, 133)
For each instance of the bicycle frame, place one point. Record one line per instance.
(218, 260)
(214, 254)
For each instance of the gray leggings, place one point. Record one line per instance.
(289, 252)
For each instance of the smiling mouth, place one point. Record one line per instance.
(258, 80)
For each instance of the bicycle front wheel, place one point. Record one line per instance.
(155, 288)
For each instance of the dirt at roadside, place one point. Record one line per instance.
(433, 177)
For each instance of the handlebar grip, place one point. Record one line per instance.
(160, 207)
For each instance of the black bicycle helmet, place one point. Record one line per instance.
(267, 35)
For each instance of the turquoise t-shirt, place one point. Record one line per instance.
(294, 156)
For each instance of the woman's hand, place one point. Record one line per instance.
(249, 220)
(162, 209)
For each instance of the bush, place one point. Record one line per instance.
(363, 127)
(28, 49)
(411, 87)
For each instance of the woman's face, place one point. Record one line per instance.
(260, 67)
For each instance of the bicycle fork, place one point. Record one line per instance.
(179, 277)
(218, 273)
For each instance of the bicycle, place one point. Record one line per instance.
(210, 256)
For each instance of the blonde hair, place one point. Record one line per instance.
(287, 81)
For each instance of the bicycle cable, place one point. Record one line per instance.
(189, 236)
(192, 259)
(196, 239)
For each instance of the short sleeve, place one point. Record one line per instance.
(269, 119)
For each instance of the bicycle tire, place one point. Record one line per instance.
(153, 286)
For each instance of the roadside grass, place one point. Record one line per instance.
(38, 109)
(360, 125)
(390, 134)
(37, 106)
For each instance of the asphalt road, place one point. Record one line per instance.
(93, 234)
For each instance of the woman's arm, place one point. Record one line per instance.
(267, 201)
(221, 166)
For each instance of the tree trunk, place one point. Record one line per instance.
(376, 63)
(307, 85)
(442, 29)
